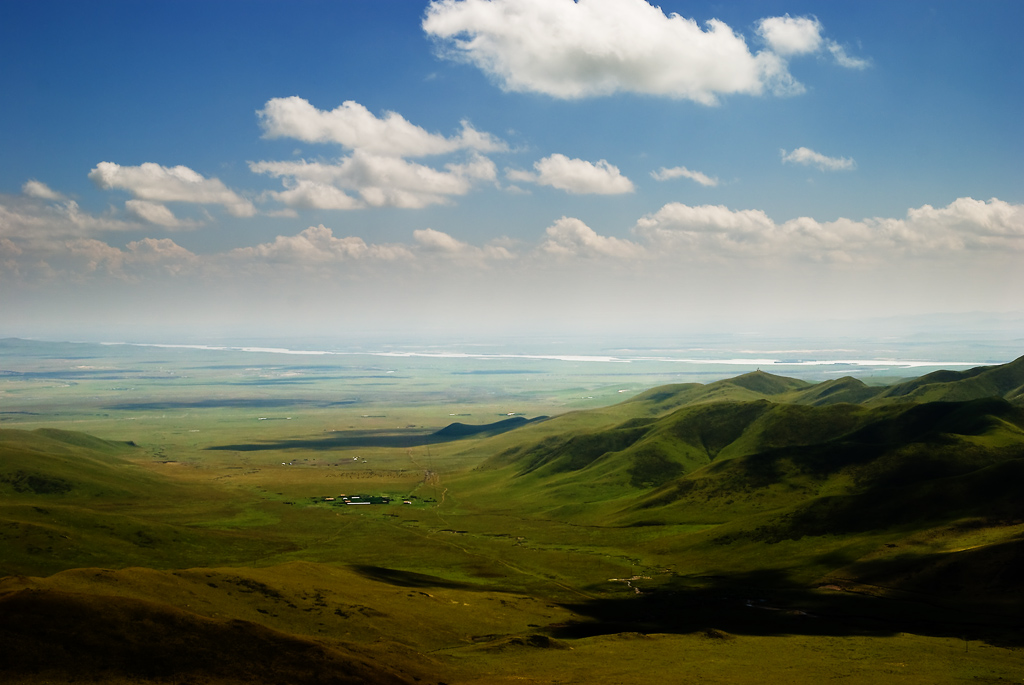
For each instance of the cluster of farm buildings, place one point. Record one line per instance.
(361, 499)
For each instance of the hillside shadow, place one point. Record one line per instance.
(409, 579)
(763, 603)
(399, 439)
(389, 438)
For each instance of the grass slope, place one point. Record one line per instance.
(806, 489)
(56, 462)
(69, 500)
(1004, 380)
(759, 528)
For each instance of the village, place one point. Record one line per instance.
(355, 500)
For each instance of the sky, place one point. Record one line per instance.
(187, 171)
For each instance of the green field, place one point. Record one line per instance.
(179, 515)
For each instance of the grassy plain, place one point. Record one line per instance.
(215, 522)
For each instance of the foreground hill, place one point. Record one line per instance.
(117, 639)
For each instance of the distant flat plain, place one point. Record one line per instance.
(166, 390)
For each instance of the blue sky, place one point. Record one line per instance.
(487, 166)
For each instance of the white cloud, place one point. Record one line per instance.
(582, 48)
(376, 173)
(97, 253)
(55, 241)
(717, 232)
(379, 181)
(162, 252)
(90, 223)
(26, 218)
(440, 243)
(570, 237)
(978, 224)
(705, 231)
(42, 241)
(138, 259)
(664, 174)
(317, 245)
(38, 189)
(808, 157)
(156, 213)
(353, 126)
(157, 183)
(575, 176)
(791, 35)
(304, 193)
(788, 36)
(8, 248)
(844, 60)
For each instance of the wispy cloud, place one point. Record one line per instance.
(40, 190)
(808, 157)
(664, 174)
(156, 213)
(844, 60)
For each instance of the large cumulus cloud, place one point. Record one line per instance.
(573, 49)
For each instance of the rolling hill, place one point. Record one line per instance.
(762, 515)
(875, 479)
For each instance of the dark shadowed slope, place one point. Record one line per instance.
(58, 636)
(461, 430)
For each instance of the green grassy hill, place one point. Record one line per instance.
(845, 389)
(57, 462)
(757, 525)
(69, 500)
(1004, 380)
(853, 443)
(807, 488)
